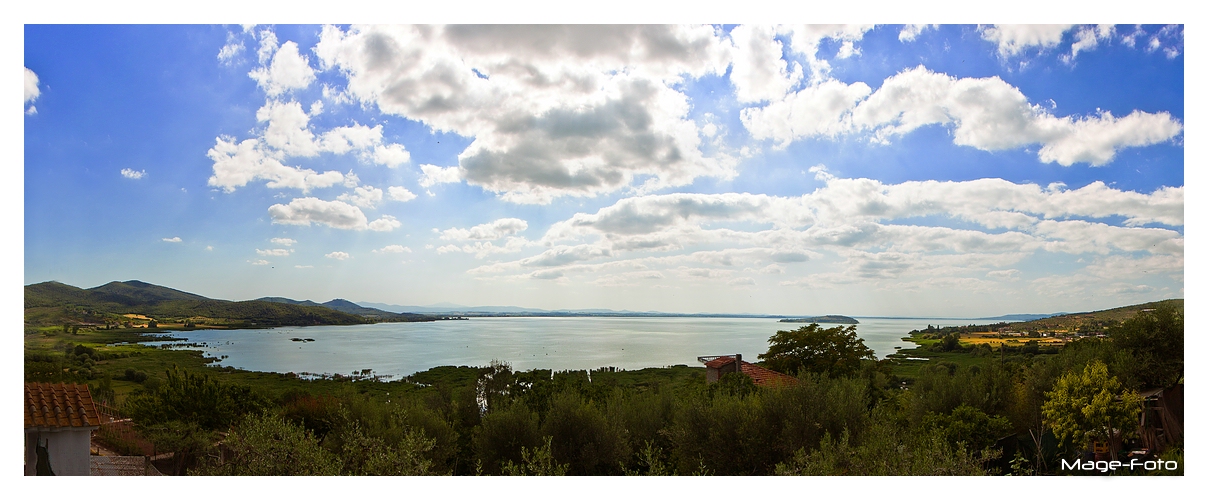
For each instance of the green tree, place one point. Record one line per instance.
(1091, 405)
(536, 462)
(1155, 340)
(836, 351)
(267, 445)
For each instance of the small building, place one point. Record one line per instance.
(59, 420)
(1161, 423)
(717, 366)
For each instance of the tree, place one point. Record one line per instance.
(1155, 340)
(1091, 405)
(267, 445)
(836, 351)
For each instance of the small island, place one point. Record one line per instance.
(829, 318)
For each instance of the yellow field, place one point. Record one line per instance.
(994, 342)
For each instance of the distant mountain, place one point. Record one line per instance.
(53, 303)
(829, 318)
(446, 307)
(284, 300)
(1020, 317)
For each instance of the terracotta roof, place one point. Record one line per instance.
(720, 362)
(59, 405)
(765, 377)
(760, 375)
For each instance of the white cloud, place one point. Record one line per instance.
(174, 239)
(275, 252)
(285, 242)
(209, 248)
(393, 249)
(857, 226)
(434, 175)
(288, 71)
(1087, 38)
(1015, 39)
(984, 113)
(399, 193)
(363, 196)
(302, 267)
(338, 255)
(230, 52)
(489, 231)
(304, 211)
(31, 86)
(759, 72)
(268, 45)
(133, 174)
(385, 223)
(911, 31)
(391, 155)
(584, 109)
(259, 262)
(743, 281)
(237, 163)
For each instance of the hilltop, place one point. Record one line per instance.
(137, 303)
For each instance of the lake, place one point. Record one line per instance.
(400, 349)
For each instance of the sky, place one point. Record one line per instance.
(875, 170)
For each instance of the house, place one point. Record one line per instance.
(59, 420)
(717, 366)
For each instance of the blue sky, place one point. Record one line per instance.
(868, 170)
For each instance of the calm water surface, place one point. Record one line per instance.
(400, 349)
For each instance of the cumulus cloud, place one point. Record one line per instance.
(911, 31)
(338, 255)
(174, 239)
(399, 193)
(1014, 39)
(857, 226)
(31, 86)
(230, 52)
(289, 70)
(285, 242)
(363, 196)
(133, 174)
(489, 231)
(393, 249)
(759, 71)
(434, 175)
(237, 163)
(984, 113)
(552, 110)
(305, 211)
(259, 262)
(385, 223)
(275, 252)
(1087, 38)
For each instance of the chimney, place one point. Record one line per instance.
(738, 363)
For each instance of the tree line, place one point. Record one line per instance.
(846, 414)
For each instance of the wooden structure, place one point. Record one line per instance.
(1161, 422)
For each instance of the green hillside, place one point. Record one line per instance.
(1095, 321)
(53, 303)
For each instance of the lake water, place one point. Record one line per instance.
(400, 349)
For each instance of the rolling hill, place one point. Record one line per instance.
(53, 303)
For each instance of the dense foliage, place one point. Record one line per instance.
(1016, 411)
(836, 350)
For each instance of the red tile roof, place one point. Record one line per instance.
(760, 375)
(59, 405)
(765, 377)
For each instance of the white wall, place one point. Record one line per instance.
(68, 449)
